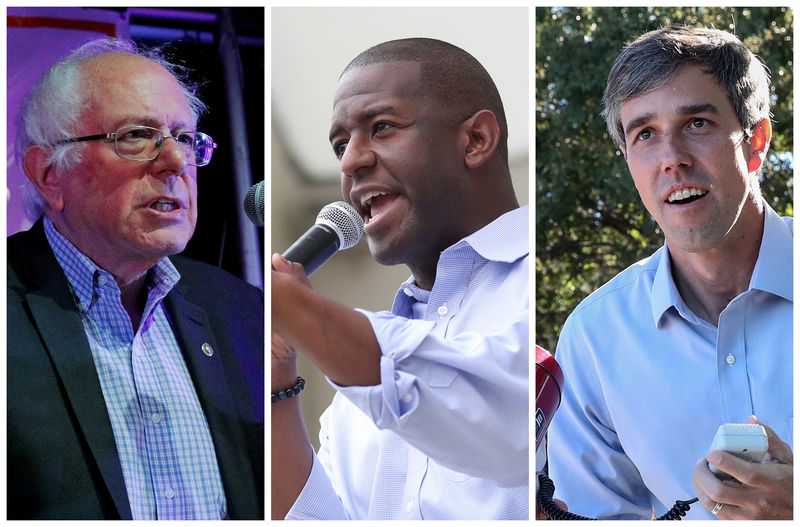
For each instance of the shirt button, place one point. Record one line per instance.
(408, 291)
(407, 398)
(730, 359)
(156, 418)
(442, 310)
(169, 493)
(410, 506)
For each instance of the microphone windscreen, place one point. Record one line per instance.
(345, 220)
(254, 204)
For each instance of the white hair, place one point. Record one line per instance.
(52, 107)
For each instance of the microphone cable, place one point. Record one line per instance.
(544, 500)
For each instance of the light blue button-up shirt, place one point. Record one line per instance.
(647, 383)
(162, 437)
(445, 434)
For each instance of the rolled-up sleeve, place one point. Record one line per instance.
(463, 401)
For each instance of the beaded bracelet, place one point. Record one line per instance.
(291, 391)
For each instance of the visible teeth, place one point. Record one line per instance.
(685, 193)
(366, 199)
(164, 205)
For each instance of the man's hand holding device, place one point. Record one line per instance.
(747, 487)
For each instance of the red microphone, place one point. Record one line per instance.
(549, 381)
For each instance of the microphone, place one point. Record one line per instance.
(338, 226)
(549, 383)
(254, 204)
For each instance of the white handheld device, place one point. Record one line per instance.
(745, 441)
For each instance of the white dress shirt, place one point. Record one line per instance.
(647, 382)
(445, 434)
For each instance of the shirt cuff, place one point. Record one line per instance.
(396, 396)
(317, 500)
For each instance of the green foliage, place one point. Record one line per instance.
(590, 223)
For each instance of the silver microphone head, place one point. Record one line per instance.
(344, 220)
(254, 204)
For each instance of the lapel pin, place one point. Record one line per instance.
(207, 349)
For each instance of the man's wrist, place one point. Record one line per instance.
(284, 371)
(292, 391)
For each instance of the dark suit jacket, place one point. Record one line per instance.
(62, 458)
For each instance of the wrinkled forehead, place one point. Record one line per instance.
(121, 82)
(689, 81)
(116, 67)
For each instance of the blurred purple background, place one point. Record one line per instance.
(224, 50)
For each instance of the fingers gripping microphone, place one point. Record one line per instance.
(254, 204)
(338, 227)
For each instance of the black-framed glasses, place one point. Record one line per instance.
(144, 143)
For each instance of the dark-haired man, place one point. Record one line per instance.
(430, 418)
(700, 333)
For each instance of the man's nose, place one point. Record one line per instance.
(357, 156)
(675, 153)
(173, 156)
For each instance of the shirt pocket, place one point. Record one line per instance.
(437, 375)
(454, 475)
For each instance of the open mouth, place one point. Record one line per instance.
(164, 205)
(373, 204)
(686, 195)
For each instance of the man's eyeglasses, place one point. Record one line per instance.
(144, 143)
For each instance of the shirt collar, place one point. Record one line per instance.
(86, 278)
(664, 294)
(772, 272)
(78, 268)
(503, 240)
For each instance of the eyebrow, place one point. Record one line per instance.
(151, 121)
(689, 109)
(366, 116)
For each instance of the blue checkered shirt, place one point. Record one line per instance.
(162, 436)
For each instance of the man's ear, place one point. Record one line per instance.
(483, 136)
(40, 172)
(762, 135)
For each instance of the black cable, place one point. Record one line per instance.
(544, 500)
(678, 510)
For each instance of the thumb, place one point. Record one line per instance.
(778, 450)
(282, 265)
(279, 263)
